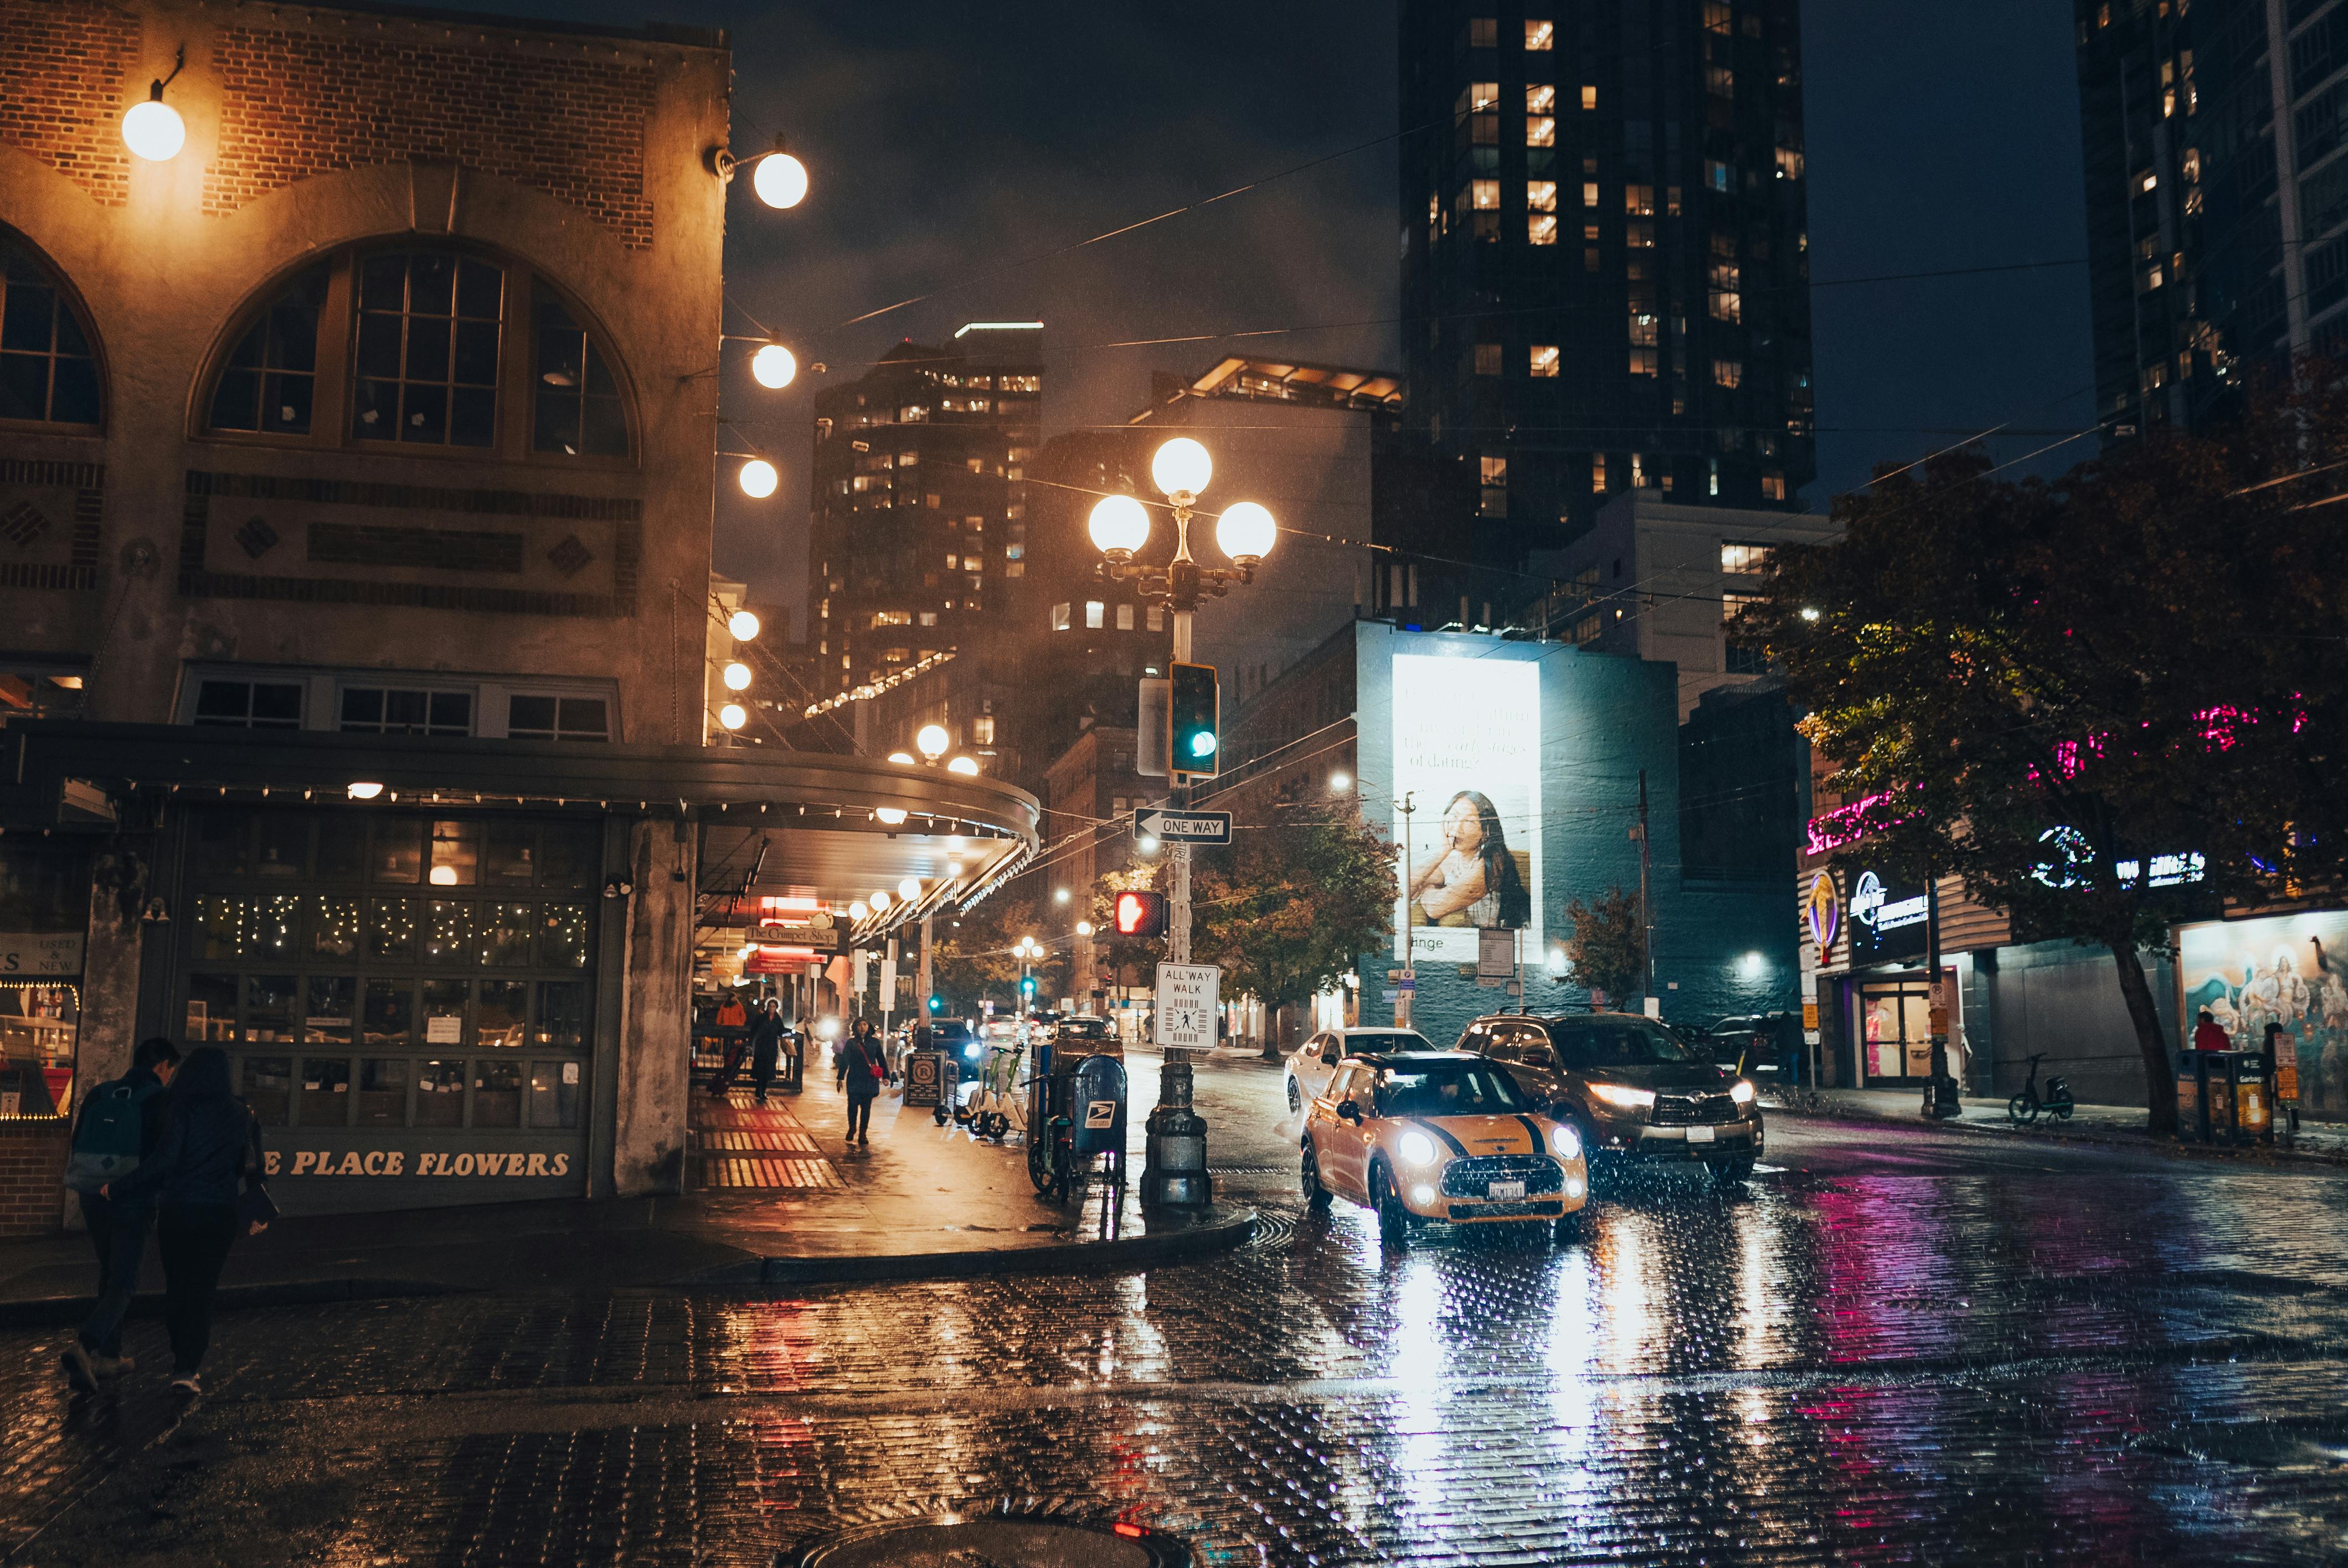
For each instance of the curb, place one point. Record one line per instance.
(1990, 1128)
(47, 1311)
(1220, 1231)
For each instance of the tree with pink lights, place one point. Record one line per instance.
(2106, 702)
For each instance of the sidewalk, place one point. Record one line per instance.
(2089, 1123)
(921, 1201)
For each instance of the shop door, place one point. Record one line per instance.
(1896, 1031)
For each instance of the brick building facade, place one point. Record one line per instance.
(357, 474)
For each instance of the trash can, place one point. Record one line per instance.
(1097, 1111)
(2252, 1097)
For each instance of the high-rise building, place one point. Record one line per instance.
(1605, 253)
(2217, 207)
(918, 530)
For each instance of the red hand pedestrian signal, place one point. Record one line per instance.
(1141, 914)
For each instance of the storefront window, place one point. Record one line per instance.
(405, 1011)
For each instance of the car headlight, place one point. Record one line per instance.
(971, 1049)
(1740, 1092)
(1567, 1142)
(1624, 1098)
(1418, 1148)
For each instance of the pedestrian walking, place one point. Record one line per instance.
(119, 1124)
(211, 1145)
(864, 1066)
(765, 1046)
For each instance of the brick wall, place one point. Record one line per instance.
(297, 103)
(63, 96)
(31, 1176)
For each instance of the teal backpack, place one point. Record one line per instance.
(106, 1141)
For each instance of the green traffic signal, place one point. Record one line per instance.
(1194, 708)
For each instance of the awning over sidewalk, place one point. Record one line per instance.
(834, 829)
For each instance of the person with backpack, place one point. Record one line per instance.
(211, 1144)
(121, 1123)
(864, 1065)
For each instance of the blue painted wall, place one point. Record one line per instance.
(1603, 718)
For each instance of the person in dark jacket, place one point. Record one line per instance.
(211, 1144)
(766, 1035)
(117, 1227)
(864, 1063)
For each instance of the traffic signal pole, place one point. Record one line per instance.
(1178, 936)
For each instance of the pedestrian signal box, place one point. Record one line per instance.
(1195, 714)
(1141, 914)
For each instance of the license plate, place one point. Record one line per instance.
(1505, 1190)
(1699, 1134)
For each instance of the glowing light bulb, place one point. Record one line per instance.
(932, 740)
(910, 888)
(1246, 533)
(1181, 467)
(1119, 526)
(733, 715)
(780, 179)
(154, 129)
(737, 676)
(742, 625)
(759, 478)
(774, 366)
(964, 766)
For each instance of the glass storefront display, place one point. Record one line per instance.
(44, 920)
(378, 972)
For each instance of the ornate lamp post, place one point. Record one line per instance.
(1175, 1165)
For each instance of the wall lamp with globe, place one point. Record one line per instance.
(152, 129)
(932, 742)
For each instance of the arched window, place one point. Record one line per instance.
(270, 380)
(48, 366)
(578, 402)
(422, 347)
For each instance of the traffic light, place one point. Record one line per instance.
(1195, 711)
(937, 1004)
(1027, 988)
(1141, 914)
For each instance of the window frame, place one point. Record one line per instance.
(71, 299)
(335, 379)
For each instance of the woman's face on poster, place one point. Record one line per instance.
(1464, 827)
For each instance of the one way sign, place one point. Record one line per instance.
(1184, 827)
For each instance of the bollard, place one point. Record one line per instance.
(1174, 1152)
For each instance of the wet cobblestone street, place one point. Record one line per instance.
(2140, 1366)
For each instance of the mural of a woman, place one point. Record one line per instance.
(1476, 881)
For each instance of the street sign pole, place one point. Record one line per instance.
(1178, 938)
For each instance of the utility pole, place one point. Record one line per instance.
(1178, 933)
(1646, 908)
(923, 983)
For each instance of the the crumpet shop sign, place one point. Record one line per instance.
(457, 1162)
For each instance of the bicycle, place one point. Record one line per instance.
(1052, 1157)
(2024, 1109)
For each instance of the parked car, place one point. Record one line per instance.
(1422, 1135)
(1314, 1063)
(1765, 1047)
(1635, 1091)
(1084, 1035)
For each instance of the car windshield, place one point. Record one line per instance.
(1633, 1042)
(1470, 1089)
(1384, 1043)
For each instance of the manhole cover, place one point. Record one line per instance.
(995, 1542)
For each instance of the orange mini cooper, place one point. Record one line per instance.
(1440, 1135)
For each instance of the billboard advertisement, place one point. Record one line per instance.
(1467, 755)
(2290, 970)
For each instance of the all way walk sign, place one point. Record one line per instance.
(1183, 826)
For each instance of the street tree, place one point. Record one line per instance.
(1286, 910)
(973, 961)
(1608, 949)
(2099, 701)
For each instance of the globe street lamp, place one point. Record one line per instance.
(1181, 469)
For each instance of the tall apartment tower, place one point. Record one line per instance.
(1605, 253)
(918, 522)
(2216, 196)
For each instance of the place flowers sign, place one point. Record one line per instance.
(552, 1163)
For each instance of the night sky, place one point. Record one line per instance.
(953, 148)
